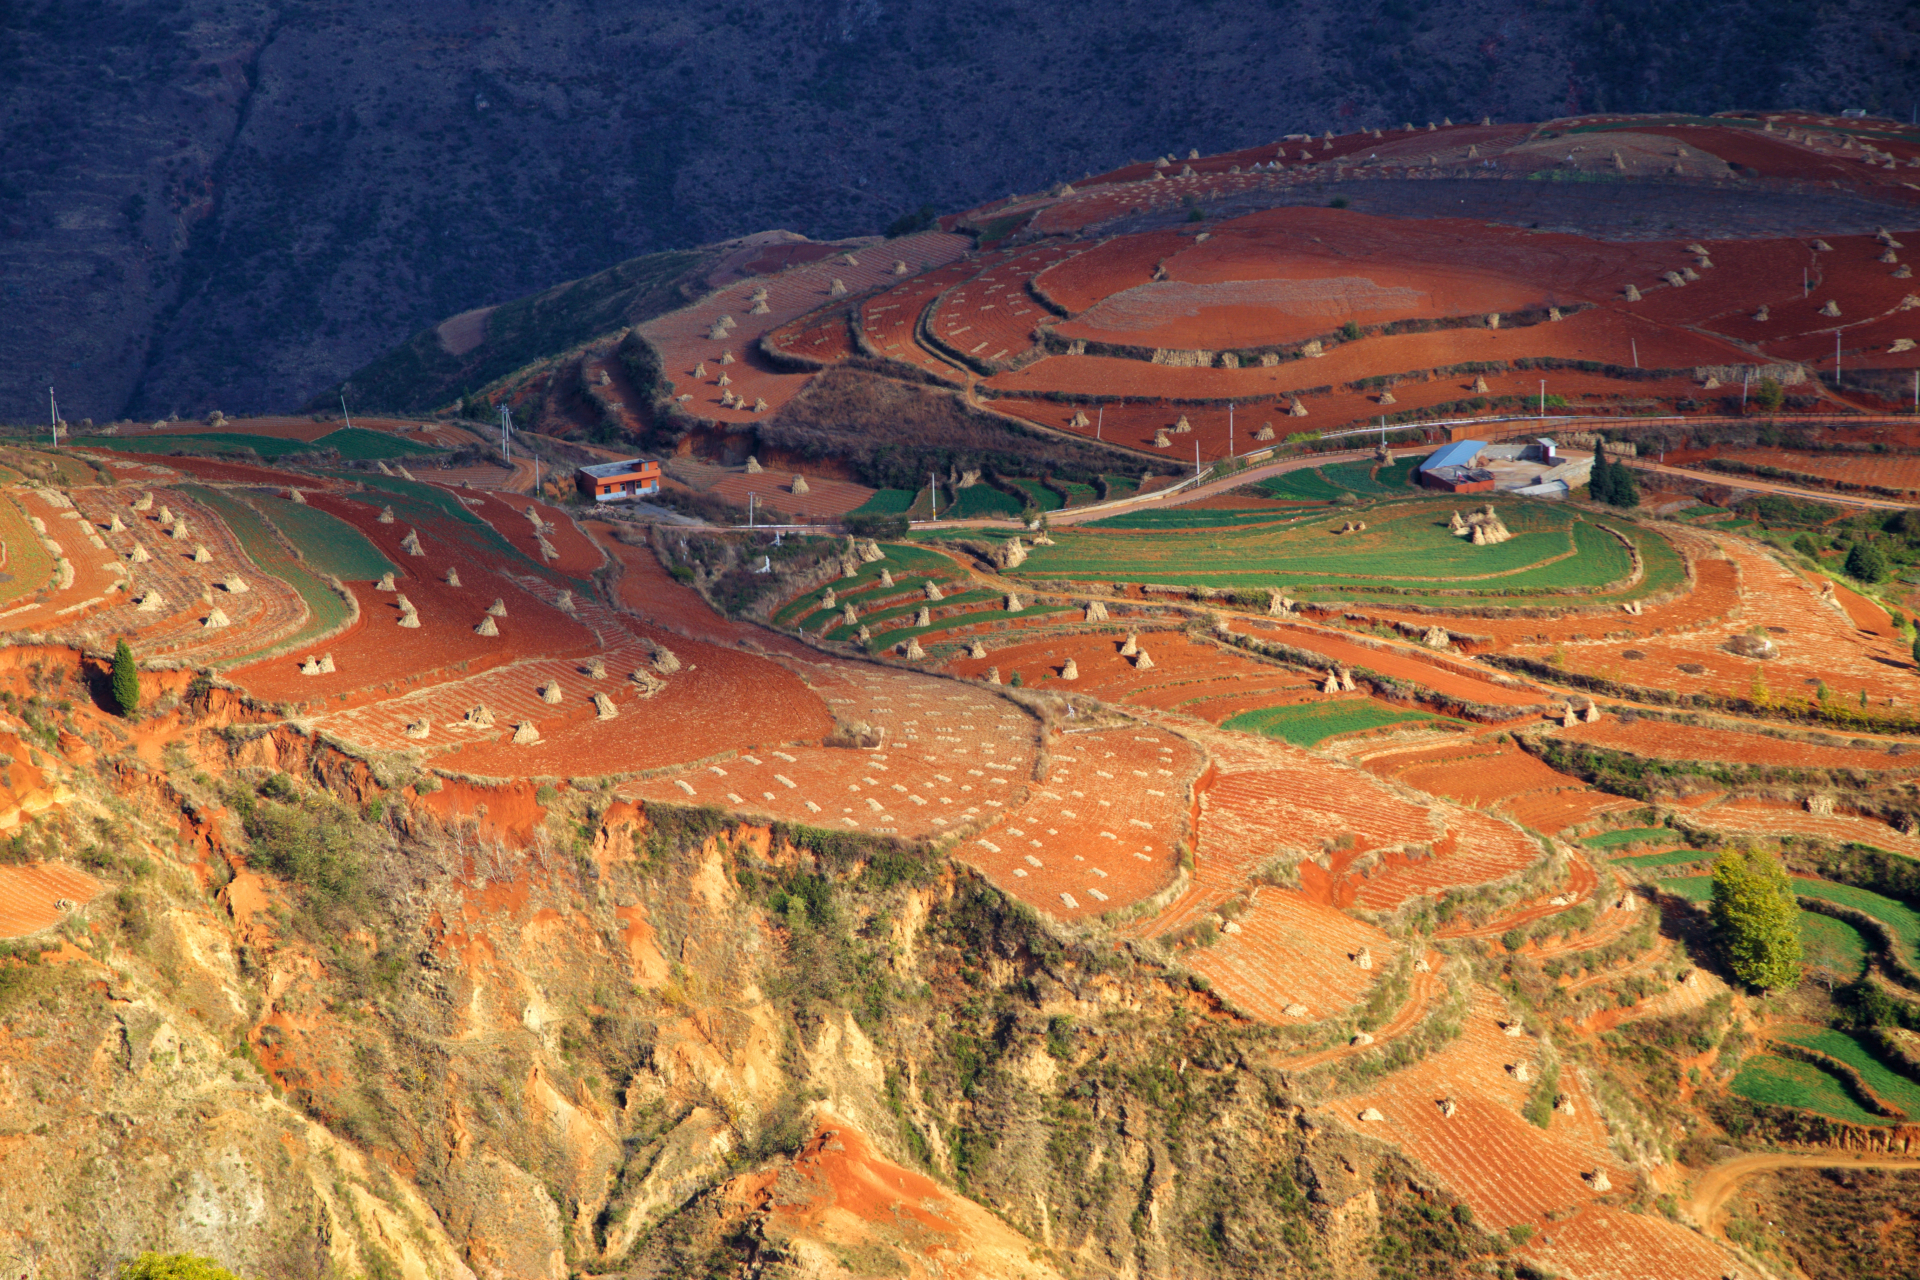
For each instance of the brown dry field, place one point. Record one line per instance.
(774, 488)
(1663, 740)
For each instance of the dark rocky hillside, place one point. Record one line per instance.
(206, 203)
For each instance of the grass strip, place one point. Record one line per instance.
(1307, 724)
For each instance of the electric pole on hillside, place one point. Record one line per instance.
(1229, 430)
(506, 429)
(343, 409)
(53, 417)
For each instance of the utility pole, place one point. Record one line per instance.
(1229, 429)
(53, 417)
(343, 410)
(750, 501)
(1634, 343)
(506, 427)
(1543, 401)
(1746, 376)
(1836, 359)
(1100, 422)
(1196, 455)
(933, 494)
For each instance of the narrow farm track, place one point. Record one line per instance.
(1707, 1200)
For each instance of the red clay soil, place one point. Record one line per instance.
(645, 589)
(1121, 263)
(1179, 663)
(823, 336)
(1288, 949)
(1490, 774)
(28, 893)
(1817, 643)
(889, 320)
(1776, 818)
(1100, 833)
(1581, 881)
(774, 488)
(1511, 1172)
(375, 658)
(1715, 595)
(1442, 677)
(683, 341)
(992, 316)
(1662, 740)
(1882, 471)
(579, 556)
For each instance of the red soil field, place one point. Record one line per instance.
(954, 757)
(682, 340)
(991, 316)
(1100, 833)
(1774, 818)
(376, 658)
(1489, 774)
(1662, 740)
(1178, 663)
(1121, 263)
(28, 892)
(1818, 642)
(774, 488)
(1433, 673)
(823, 336)
(1714, 597)
(579, 555)
(1880, 470)
(207, 469)
(1287, 948)
(889, 320)
(1481, 848)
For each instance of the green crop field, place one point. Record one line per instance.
(1307, 724)
(29, 565)
(992, 612)
(1901, 920)
(1886, 1080)
(1833, 945)
(981, 500)
(1206, 518)
(1305, 485)
(361, 445)
(1358, 477)
(1407, 549)
(1631, 835)
(199, 442)
(1783, 1082)
(1678, 858)
(330, 544)
(887, 502)
(326, 610)
(1043, 498)
(876, 621)
(910, 566)
(1692, 888)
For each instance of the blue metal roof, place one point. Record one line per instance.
(1460, 453)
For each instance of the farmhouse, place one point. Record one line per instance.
(1455, 468)
(616, 481)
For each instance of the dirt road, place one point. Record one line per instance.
(1712, 1189)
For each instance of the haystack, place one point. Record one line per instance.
(1591, 712)
(1296, 409)
(166, 515)
(1900, 345)
(870, 552)
(1012, 554)
(486, 628)
(1346, 679)
(1079, 420)
(139, 554)
(700, 369)
(1131, 647)
(1711, 384)
(116, 525)
(179, 531)
(1143, 662)
(724, 381)
(1448, 1107)
(1386, 397)
(924, 618)
(1314, 350)
(418, 729)
(410, 620)
(799, 485)
(385, 470)
(498, 609)
(215, 620)
(976, 649)
(839, 288)
(1332, 684)
(753, 465)
(914, 651)
(1183, 426)
(550, 692)
(886, 577)
(726, 357)
(1632, 293)
(1831, 309)
(1598, 1180)
(1096, 611)
(603, 708)
(202, 556)
(525, 734)
(933, 590)
(759, 308)
(1821, 246)
(385, 583)
(1265, 432)
(1161, 440)
(149, 602)
(311, 667)
(453, 576)
(1520, 1071)
(1903, 272)
(143, 503)
(297, 496)
(849, 616)
(1278, 602)
(1479, 385)
(1372, 1115)
(386, 515)
(480, 716)
(1762, 315)
(1013, 602)
(647, 682)
(1493, 320)
(899, 267)
(235, 585)
(1674, 278)
(547, 550)
(829, 600)
(1364, 959)
(993, 675)
(1436, 638)
(411, 543)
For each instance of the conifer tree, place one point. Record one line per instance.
(126, 679)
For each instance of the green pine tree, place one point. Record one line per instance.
(1757, 919)
(1866, 562)
(126, 679)
(1916, 648)
(1600, 484)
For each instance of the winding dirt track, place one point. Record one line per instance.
(1712, 1189)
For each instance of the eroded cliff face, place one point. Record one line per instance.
(335, 1017)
